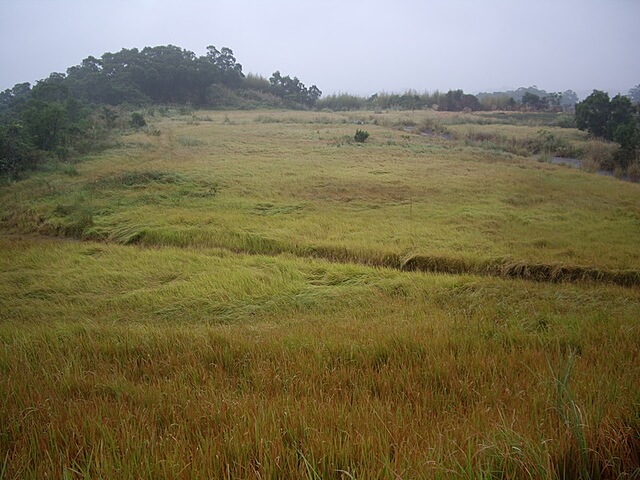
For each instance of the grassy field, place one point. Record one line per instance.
(230, 295)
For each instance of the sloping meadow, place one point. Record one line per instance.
(283, 182)
(256, 295)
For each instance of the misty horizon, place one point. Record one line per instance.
(360, 48)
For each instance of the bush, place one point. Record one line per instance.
(601, 154)
(361, 136)
(137, 120)
(432, 127)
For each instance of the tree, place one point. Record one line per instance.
(51, 89)
(615, 120)
(163, 75)
(592, 114)
(621, 113)
(293, 90)
(451, 101)
(531, 101)
(45, 124)
(227, 69)
(601, 116)
(313, 95)
(554, 100)
(457, 100)
(15, 152)
(15, 98)
(634, 94)
(568, 100)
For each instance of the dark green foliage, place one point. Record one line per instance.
(256, 82)
(14, 98)
(70, 112)
(457, 100)
(361, 136)
(592, 114)
(16, 152)
(293, 91)
(45, 121)
(531, 101)
(410, 100)
(163, 74)
(137, 120)
(622, 112)
(36, 122)
(616, 120)
(46, 124)
(628, 136)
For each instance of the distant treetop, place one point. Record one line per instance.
(162, 75)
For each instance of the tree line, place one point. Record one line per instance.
(522, 99)
(614, 119)
(67, 112)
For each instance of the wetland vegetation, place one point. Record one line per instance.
(309, 293)
(221, 295)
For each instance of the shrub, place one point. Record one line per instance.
(137, 120)
(565, 121)
(600, 153)
(432, 127)
(361, 136)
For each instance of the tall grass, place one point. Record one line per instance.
(119, 361)
(255, 298)
(399, 194)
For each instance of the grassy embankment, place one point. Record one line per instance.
(193, 359)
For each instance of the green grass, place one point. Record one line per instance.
(397, 194)
(216, 302)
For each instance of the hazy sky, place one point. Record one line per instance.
(353, 46)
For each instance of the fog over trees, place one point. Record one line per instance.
(71, 112)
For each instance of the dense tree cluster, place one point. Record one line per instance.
(293, 90)
(55, 116)
(457, 101)
(39, 120)
(164, 74)
(616, 119)
(161, 75)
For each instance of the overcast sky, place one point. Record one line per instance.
(353, 46)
